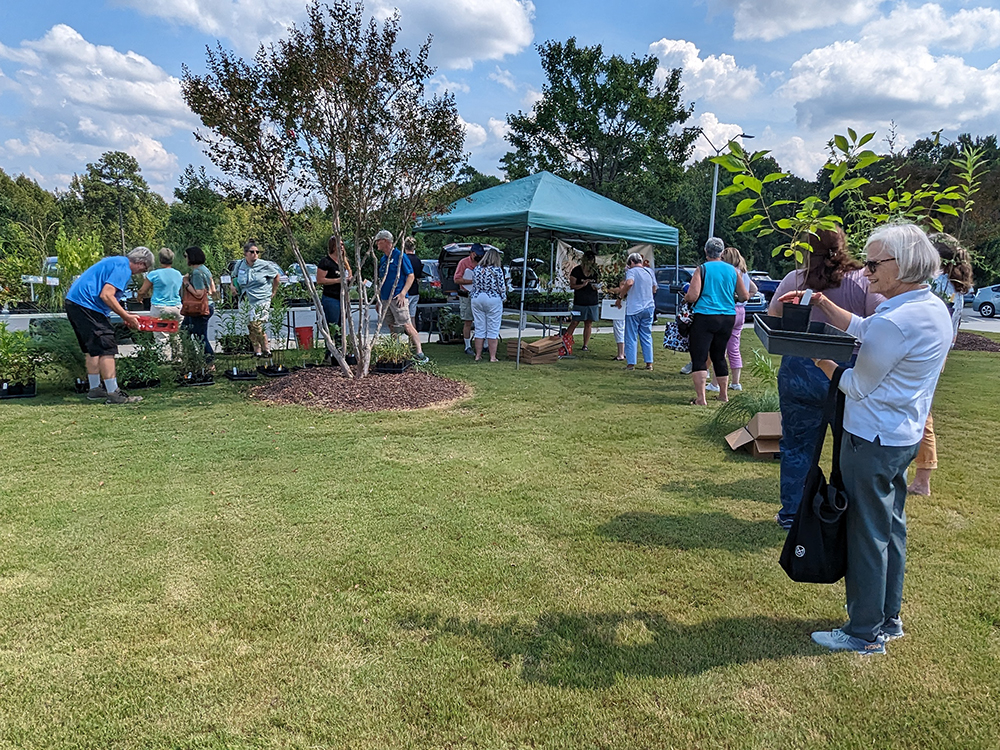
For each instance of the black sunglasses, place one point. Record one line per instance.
(872, 265)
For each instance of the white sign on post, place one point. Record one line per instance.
(52, 280)
(31, 279)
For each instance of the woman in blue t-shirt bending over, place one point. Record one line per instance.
(715, 289)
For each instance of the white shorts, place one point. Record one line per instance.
(486, 313)
(619, 327)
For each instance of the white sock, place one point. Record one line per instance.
(95, 380)
(111, 384)
(468, 343)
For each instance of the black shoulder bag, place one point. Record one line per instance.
(685, 315)
(816, 548)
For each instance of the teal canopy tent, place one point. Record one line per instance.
(547, 207)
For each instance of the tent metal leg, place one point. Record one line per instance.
(524, 280)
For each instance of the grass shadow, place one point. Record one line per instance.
(697, 531)
(756, 489)
(594, 650)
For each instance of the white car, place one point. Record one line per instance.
(987, 301)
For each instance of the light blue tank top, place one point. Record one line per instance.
(718, 291)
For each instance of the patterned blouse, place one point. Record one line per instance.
(489, 280)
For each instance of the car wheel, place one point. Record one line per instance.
(987, 310)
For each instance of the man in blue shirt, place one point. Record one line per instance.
(396, 274)
(90, 301)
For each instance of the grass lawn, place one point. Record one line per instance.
(568, 559)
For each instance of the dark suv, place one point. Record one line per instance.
(668, 287)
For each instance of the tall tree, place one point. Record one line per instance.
(606, 123)
(198, 213)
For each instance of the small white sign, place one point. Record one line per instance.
(31, 279)
(226, 279)
(52, 280)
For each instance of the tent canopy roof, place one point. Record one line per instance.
(551, 207)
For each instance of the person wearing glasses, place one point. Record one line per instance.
(802, 387)
(256, 281)
(888, 397)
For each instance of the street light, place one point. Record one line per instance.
(715, 180)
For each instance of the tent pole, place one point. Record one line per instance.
(677, 271)
(552, 262)
(524, 279)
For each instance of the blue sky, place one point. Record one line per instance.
(80, 78)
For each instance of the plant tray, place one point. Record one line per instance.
(17, 390)
(391, 368)
(242, 375)
(273, 371)
(161, 325)
(821, 341)
(134, 385)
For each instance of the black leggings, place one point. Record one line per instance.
(710, 336)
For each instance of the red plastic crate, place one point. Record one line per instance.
(161, 325)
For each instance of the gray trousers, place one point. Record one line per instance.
(875, 482)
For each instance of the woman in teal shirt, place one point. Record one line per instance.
(715, 289)
(165, 284)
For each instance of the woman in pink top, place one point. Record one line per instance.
(802, 387)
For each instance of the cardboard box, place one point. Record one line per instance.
(761, 437)
(542, 351)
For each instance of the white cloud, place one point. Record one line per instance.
(475, 134)
(531, 97)
(719, 133)
(929, 26)
(81, 99)
(439, 84)
(798, 156)
(504, 78)
(714, 77)
(768, 20)
(498, 129)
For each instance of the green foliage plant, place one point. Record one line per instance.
(17, 356)
(187, 355)
(392, 349)
(744, 405)
(142, 367)
(59, 349)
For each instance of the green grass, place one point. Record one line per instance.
(568, 559)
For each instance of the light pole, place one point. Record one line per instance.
(715, 180)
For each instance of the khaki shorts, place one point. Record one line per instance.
(465, 308)
(396, 316)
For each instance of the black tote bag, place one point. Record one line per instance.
(815, 550)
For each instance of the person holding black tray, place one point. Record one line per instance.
(888, 396)
(802, 387)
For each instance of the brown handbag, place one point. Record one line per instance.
(194, 302)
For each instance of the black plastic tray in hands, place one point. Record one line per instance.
(821, 341)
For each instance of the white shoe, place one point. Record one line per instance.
(686, 369)
(711, 387)
(736, 387)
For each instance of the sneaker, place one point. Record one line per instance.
(470, 351)
(97, 394)
(736, 387)
(686, 369)
(838, 640)
(421, 358)
(120, 397)
(711, 387)
(891, 629)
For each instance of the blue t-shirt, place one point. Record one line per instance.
(86, 290)
(393, 286)
(166, 287)
(718, 289)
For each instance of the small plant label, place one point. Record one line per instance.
(234, 370)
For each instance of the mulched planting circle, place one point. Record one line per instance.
(971, 342)
(328, 388)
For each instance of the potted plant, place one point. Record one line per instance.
(142, 368)
(235, 344)
(188, 359)
(59, 350)
(17, 364)
(275, 366)
(450, 327)
(391, 355)
(295, 295)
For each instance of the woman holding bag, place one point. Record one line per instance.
(197, 290)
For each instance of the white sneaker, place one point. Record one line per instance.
(686, 369)
(736, 387)
(711, 387)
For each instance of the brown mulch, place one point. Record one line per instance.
(971, 342)
(328, 388)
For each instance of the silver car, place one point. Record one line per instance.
(987, 300)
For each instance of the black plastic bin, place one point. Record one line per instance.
(821, 341)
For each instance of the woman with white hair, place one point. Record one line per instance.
(888, 397)
(713, 293)
(639, 286)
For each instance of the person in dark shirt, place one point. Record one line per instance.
(329, 276)
(413, 293)
(586, 301)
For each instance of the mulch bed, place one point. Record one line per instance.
(971, 342)
(328, 388)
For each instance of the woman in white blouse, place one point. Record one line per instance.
(889, 392)
(489, 290)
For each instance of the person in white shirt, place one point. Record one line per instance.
(639, 286)
(888, 397)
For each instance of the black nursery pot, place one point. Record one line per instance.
(81, 386)
(391, 368)
(9, 389)
(795, 317)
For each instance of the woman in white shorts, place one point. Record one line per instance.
(489, 290)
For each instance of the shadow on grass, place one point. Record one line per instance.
(593, 650)
(756, 489)
(697, 531)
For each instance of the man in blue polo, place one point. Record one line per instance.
(395, 274)
(89, 303)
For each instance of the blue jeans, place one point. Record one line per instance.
(875, 484)
(331, 308)
(639, 328)
(198, 326)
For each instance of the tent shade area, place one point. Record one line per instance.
(550, 207)
(547, 207)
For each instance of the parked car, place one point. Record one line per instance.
(756, 304)
(987, 300)
(296, 270)
(432, 275)
(447, 262)
(765, 284)
(513, 273)
(970, 297)
(669, 283)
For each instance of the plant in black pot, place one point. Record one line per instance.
(234, 342)
(391, 355)
(450, 328)
(276, 330)
(142, 368)
(56, 342)
(188, 359)
(18, 359)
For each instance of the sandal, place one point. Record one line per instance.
(629, 368)
(618, 359)
(694, 402)
(649, 365)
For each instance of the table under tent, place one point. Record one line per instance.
(547, 207)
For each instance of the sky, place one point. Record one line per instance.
(81, 77)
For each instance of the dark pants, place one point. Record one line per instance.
(875, 484)
(198, 326)
(331, 308)
(710, 337)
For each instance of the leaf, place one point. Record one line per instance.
(841, 143)
(851, 184)
(782, 202)
(774, 177)
(765, 232)
(752, 223)
(852, 135)
(736, 148)
(729, 163)
(946, 209)
(745, 206)
(865, 138)
(878, 201)
(839, 172)
(752, 183)
(783, 223)
(731, 190)
(867, 161)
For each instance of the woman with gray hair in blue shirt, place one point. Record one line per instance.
(888, 396)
